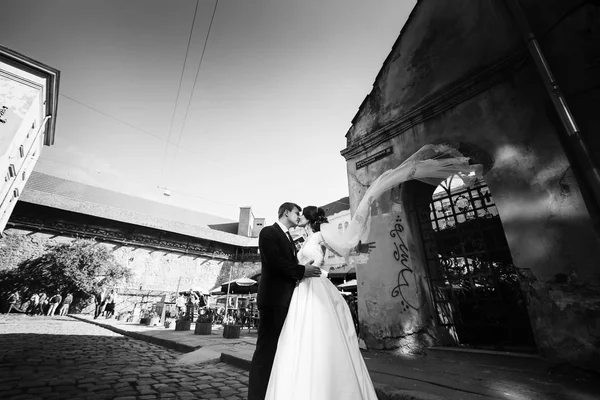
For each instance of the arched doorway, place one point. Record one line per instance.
(474, 284)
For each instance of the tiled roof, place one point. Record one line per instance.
(50, 191)
(336, 206)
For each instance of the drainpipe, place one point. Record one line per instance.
(591, 173)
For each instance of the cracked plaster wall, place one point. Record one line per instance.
(393, 294)
(547, 224)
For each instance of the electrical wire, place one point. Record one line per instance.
(177, 146)
(196, 77)
(135, 127)
(110, 116)
(179, 88)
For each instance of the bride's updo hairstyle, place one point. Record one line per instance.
(315, 217)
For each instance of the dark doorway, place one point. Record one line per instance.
(473, 280)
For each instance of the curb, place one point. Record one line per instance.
(183, 348)
(384, 392)
(236, 361)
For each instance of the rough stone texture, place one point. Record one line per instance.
(542, 206)
(63, 358)
(160, 271)
(440, 42)
(152, 270)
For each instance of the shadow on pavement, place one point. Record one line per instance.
(63, 358)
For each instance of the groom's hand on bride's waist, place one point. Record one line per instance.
(310, 270)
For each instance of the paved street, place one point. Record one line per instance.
(62, 358)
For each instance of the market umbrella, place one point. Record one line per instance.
(350, 285)
(256, 278)
(198, 292)
(240, 286)
(216, 291)
(338, 272)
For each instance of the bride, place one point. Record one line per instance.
(318, 357)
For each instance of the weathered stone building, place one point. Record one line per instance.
(517, 267)
(167, 248)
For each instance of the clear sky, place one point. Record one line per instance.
(263, 123)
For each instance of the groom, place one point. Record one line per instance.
(279, 274)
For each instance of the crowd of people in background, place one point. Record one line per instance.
(105, 303)
(189, 303)
(40, 304)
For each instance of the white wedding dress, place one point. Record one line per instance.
(318, 357)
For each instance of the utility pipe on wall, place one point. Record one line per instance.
(580, 149)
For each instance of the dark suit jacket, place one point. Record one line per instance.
(280, 270)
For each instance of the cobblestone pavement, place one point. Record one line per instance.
(62, 358)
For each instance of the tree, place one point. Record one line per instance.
(80, 268)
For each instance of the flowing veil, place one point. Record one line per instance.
(430, 164)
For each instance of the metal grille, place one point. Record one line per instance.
(473, 280)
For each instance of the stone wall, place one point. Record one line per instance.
(153, 271)
(157, 270)
(441, 42)
(393, 294)
(498, 106)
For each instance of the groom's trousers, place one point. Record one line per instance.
(269, 327)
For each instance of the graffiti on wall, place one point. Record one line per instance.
(405, 285)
